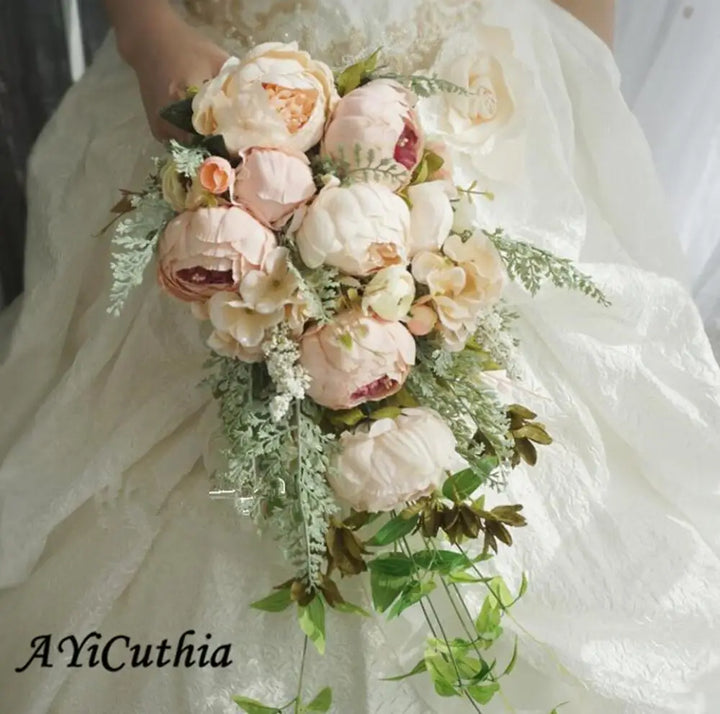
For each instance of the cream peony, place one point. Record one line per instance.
(390, 293)
(277, 96)
(358, 228)
(394, 461)
(223, 344)
(355, 359)
(378, 117)
(210, 250)
(431, 215)
(272, 287)
(271, 184)
(479, 251)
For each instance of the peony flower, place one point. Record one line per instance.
(488, 120)
(173, 189)
(390, 293)
(272, 287)
(378, 117)
(277, 96)
(271, 184)
(393, 461)
(234, 319)
(358, 228)
(216, 175)
(431, 216)
(421, 319)
(210, 250)
(356, 359)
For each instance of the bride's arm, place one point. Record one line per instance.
(598, 15)
(166, 53)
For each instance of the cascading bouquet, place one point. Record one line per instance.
(359, 339)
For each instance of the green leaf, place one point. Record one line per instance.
(443, 675)
(411, 596)
(385, 589)
(484, 694)
(420, 667)
(461, 485)
(252, 707)
(501, 592)
(277, 602)
(216, 146)
(349, 609)
(523, 587)
(322, 702)
(487, 623)
(462, 578)
(348, 417)
(513, 660)
(393, 530)
(352, 77)
(442, 561)
(312, 622)
(179, 114)
(394, 565)
(386, 413)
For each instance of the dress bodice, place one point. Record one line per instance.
(341, 30)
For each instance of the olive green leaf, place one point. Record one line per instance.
(513, 660)
(312, 622)
(349, 608)
(386, 589)
(395, 565)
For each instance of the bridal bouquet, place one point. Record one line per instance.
(361, 348)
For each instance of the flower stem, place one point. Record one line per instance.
(298, 699)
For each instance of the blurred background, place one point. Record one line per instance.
(668, 52)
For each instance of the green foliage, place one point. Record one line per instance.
(361, 167)
(425, 86)
(250, 706)
(311, 619)
(321, 703)
(533, 267)
(395, 529)
(179, 114)
(135, 240)
(357, 74)
(277, 602)
(187, 159)
(463, 484)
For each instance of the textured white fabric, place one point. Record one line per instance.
(669, 51)
(105, 522)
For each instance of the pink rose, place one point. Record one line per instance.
(271, 184)
(379, 117)
(216, 175)
(356, 359)
(210, 250)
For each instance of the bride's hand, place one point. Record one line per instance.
(168, 56)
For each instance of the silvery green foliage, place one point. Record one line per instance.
(533, 267)
(135, 240)
(426, 86)
(452, 384)
(280, 463)
(187, 159)
(494, 337)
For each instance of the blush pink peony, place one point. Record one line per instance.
(216, 175)
(271, 184)
(210, 250)
(378, 117)
(356, 359)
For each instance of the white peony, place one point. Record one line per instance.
(390, 293)
(394, 461)
(273, 286)
(358, 228)
(431, 215)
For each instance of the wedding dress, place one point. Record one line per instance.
(105, 520)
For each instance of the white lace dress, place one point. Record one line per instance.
(105, 521)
